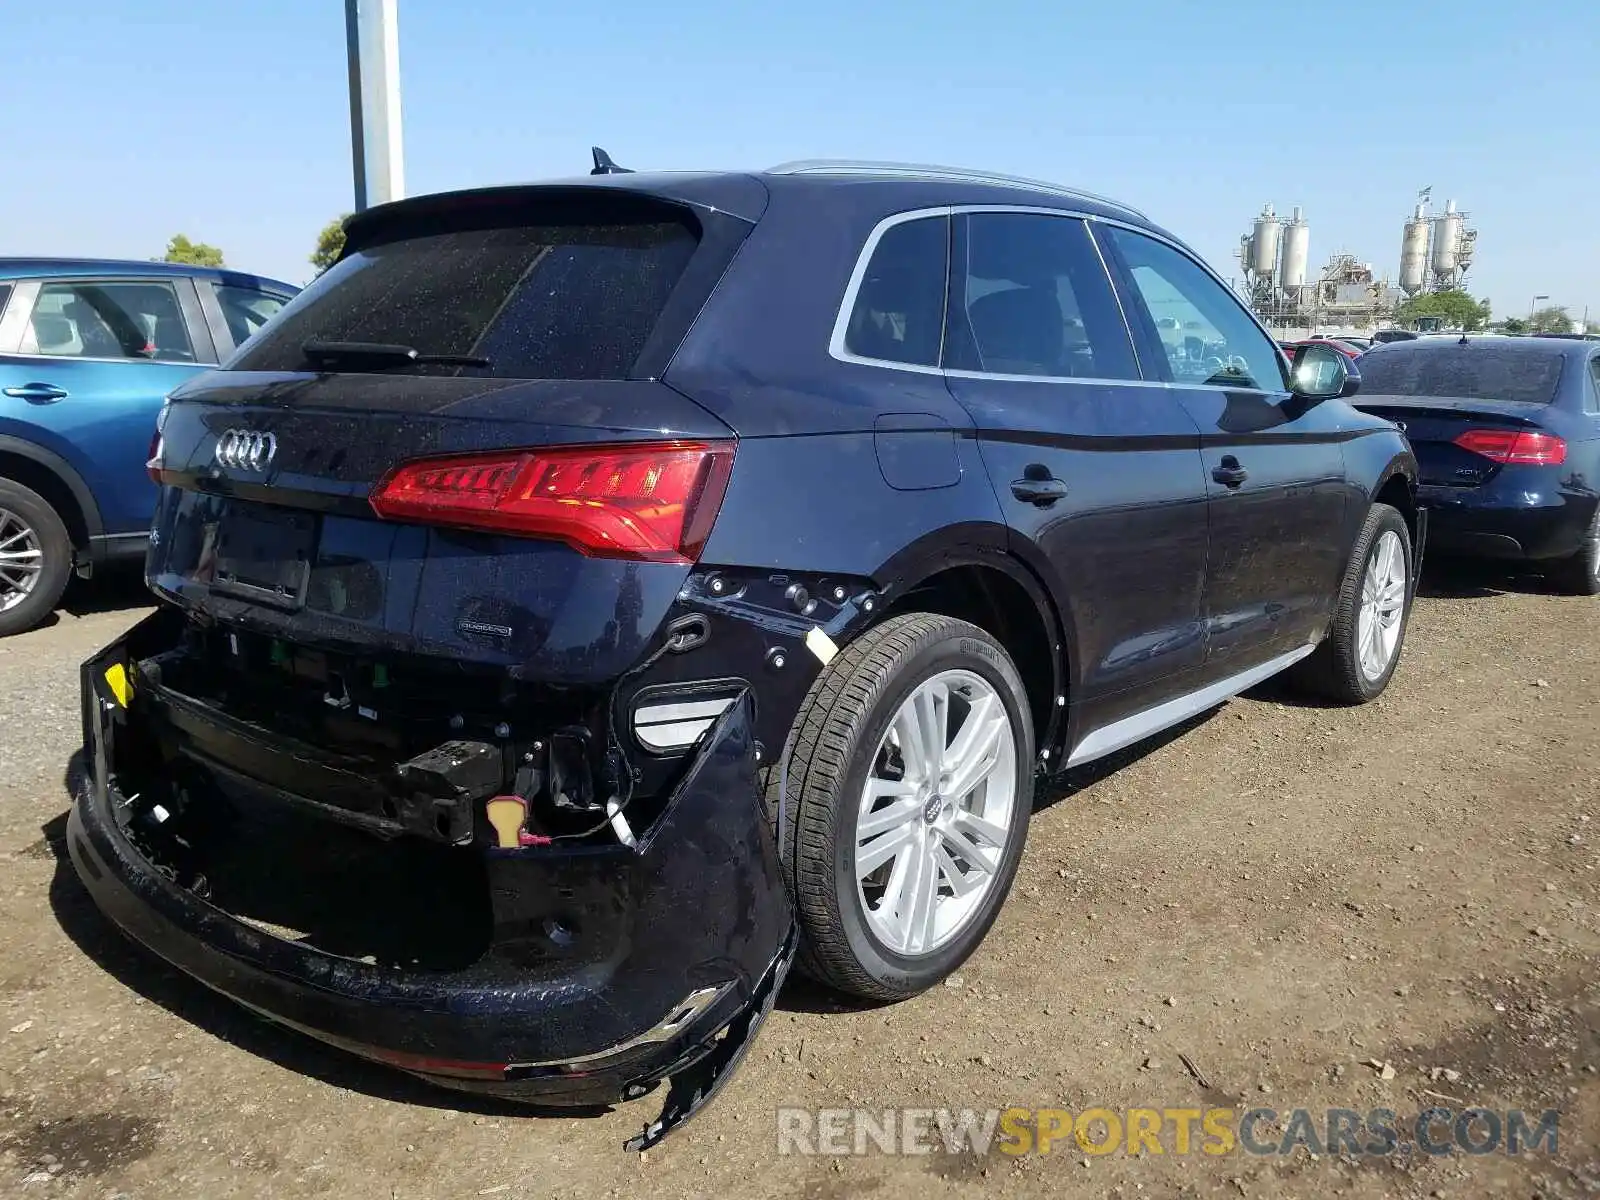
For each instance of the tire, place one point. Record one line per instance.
(1580, 574)
(842, 735)
(1335, 670)
(29, 525)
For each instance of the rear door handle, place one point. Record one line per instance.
(1043, 492)
(1229, 473)
(37, 393)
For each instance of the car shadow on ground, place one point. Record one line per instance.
(113, 588)
(1470, 578)
(1054, 790)
(1442, 579)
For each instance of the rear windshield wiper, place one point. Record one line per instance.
(381, 354)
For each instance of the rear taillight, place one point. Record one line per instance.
(656, 501)
(152, 461)
(1515, 446)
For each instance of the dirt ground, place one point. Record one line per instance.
(1281, 893)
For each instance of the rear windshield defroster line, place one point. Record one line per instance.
(562, 300)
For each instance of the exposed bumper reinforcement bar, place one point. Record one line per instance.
(695, 935)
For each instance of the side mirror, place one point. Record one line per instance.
(1322, 373)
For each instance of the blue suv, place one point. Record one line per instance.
(88, 351)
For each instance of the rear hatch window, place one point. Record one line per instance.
(550, 294)
(1471, 372)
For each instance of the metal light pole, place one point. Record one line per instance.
(372, 42)
(1531, 303)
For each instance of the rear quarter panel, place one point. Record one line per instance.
(840, 466)
(1377, 454)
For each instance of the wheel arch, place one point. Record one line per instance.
(55, 479)
(976, 577)
(1397, 487)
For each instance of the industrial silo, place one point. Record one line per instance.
(1294, 259)
(1414, 254)
(1264, 244)
(1445, 259)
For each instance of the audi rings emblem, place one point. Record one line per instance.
(246, 450)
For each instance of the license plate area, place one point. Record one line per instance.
(264, 554)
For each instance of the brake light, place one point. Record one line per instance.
(655, 501)
(1515, 446)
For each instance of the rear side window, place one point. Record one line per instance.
(1593, 402)
(898, 315)
(1470, 372)
(5, 294)
(1033, 299)
(557, 301)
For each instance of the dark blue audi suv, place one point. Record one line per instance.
(587, 599)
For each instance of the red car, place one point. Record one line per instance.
(1349, 351)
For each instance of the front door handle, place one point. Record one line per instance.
(1229, 473)
(37, 393)
(1043, 492)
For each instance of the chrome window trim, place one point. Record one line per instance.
(1116, 294)
(836, 349)
(85, 358)
(1095, 380)
(25, 332)
(841, 320)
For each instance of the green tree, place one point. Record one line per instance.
(330, 244)
(1457, 309)
(1513, 325)
(197, 254)
(1552, 318)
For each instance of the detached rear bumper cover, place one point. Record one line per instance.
(706, 936)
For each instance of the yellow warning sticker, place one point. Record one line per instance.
(121, 686)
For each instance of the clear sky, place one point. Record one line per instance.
(125, 123)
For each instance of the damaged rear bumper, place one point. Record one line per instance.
(610, 968)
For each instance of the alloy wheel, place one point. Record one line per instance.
(936, 812)
(21, 559)
(1383, 606)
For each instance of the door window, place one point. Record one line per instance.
(1032, 298)
(1205, 334)
(246, 309)
(108, 320)
(898, 315)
